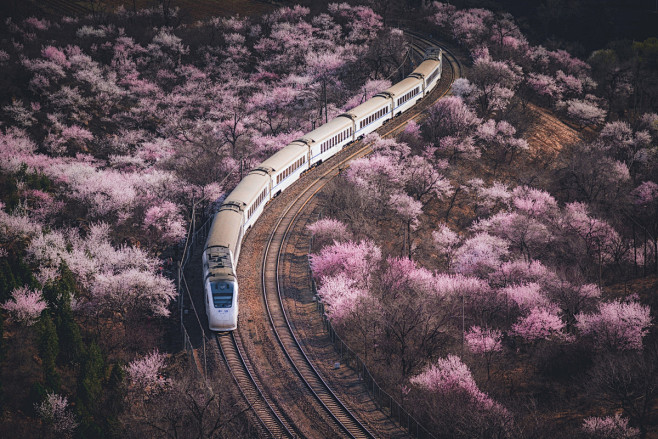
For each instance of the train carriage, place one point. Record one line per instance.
(404, 94)
(250, 195)
(286, 166)
(429, 71)
(328, 139)
(370, 115)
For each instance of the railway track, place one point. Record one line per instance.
(273, 420)
(272, 423)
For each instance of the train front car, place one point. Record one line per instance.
(219, 263)
(221, 288)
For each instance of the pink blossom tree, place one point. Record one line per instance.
(456, 404)
(326, 230)
(585, 113)
(617, 325)
(540, 324)
(408, 210)
(341, 295)
(55, 411)
(610, 427)
(485, 342)
(25, 305)
(492, 85)
(525, 296)
(414, 314)
(445, 242)
(356, 260)
(165, 222)
(145, 373)
(480, 254)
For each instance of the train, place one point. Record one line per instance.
(244, 205)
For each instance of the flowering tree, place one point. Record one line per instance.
(450, 117)
(354, 259)
(55, 411)
(491, 85)
(585, 113)
(457, 404)
(341, 295)
(485, 342)
(610, 427)
(445, 242)
(328, 229)
(480, 254)
(25, 305)
(540, 324)
(616, 325)
(145, 373)
(414, 315)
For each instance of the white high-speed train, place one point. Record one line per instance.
(244, 205)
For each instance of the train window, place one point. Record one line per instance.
(222, 294)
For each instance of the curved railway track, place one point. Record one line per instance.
(272, 417)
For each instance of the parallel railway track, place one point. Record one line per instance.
(272, 418)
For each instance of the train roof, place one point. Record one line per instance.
(426, 67)
(283, 157)
(225, 228)
(328, 129)
(248, 189)
(368, 107)
(220, 264)
(402, 87)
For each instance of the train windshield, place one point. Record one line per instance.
(222, 294)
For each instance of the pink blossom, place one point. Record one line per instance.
(645, 194)
(15, 226)
(451, 117)
(145, 373)
(37, 24)
(470, 26)
(378, 175)
(403, 274)
(407, 208)
(356, 260)
(540, 324)
(369, 89)
(522, 272)
(57, 56)
(544, 85)
(570, 84)
(450, 375)
(341, 295)
(480, 254)
(483, 340)
(526, 296)
(133, 290)
(584, 112)
(611, 427)
(534, 202)
(166, 220)
(328, 229)
(445, 240)
(457, 285)
(55, 411)
(442, 13)
(25, 305)
(617, 325)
